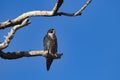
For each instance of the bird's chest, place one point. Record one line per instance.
(51, 42)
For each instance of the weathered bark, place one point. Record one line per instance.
(20, 54)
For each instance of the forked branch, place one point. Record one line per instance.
(10, 35)
(53, 12)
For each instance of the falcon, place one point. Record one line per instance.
(50, 44)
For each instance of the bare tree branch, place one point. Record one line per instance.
(79, 12)
(54, 12)
(57, 6)
(10, 35)
(16, 55)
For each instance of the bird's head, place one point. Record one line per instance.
(51, 32)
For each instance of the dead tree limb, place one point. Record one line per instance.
(53, 12)
(10, 35)
(16, 55)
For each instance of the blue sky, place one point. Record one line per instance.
(90, 43)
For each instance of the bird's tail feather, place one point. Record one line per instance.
(48, 63)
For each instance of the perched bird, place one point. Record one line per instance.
(50, 44)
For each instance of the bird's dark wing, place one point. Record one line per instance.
(55, 46)
(46, 42)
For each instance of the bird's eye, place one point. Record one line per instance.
(51, 31)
